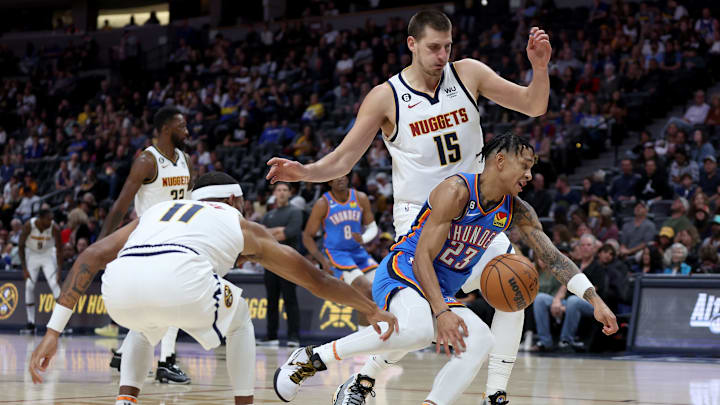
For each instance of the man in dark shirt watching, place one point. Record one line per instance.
(623, 187)
(285, 224)
(709, 177)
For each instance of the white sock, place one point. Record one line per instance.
(30, 309)
(508, 326)
(136, 360)
(416, 331)
(125, 399)
(376, 363)
(30, 300)
(167, 345)
(240, 342)
(459, 372)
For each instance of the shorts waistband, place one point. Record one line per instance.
(154, 250)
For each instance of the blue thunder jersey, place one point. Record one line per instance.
(341, 220)
(469, 236)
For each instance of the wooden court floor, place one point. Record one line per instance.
(80, 375)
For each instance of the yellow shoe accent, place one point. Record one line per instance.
(108, 330)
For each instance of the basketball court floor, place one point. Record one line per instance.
(80, 375)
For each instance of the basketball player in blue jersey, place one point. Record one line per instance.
(343, 212)
(419, 278)
(430, 121)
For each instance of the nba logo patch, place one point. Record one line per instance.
(228, 297)
(500, 219)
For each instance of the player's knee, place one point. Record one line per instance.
(419, 334)
(29, 291)
(480, 338)
(241, 319)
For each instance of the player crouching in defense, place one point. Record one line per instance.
(418, 280)
(182, 248)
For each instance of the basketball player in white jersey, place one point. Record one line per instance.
(40, 247)
(183, 248)
(162, 172)
(430, 123)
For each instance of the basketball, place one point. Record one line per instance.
(509, 282)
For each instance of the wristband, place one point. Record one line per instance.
(578, 284)
(370, 233)
(60, 317)
(442, 312)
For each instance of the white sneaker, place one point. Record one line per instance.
(301, 365)
(354, 391)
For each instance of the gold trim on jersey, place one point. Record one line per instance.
(174, 162)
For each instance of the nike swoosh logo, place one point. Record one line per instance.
(508, 362)
(411, 106)
(473, 215)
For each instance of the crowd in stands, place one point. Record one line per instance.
(293, 90)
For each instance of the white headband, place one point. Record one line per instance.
(217, 191)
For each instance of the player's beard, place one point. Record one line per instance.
(177, 141)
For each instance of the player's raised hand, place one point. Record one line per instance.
(448, 332)
(605, 316)
(538, 48)
(41, 356)
(384, 316)
(285, 170)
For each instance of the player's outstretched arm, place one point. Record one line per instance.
(143, 168)
(287, 263)
(526, 221)
(531, 100)
(339, 162)
(94, 258)
(448, 201)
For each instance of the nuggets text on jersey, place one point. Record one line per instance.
(438, 122)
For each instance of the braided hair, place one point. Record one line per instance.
(507, 141)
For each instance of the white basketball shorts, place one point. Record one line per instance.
(147, 291)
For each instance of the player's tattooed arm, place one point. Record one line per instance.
(89, 263)
(526, 221)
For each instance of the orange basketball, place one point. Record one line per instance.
(509, 282)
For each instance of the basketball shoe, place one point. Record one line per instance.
(29, 329)
(169, 373)
(354, 391)
(108, 330)
(301, 365)
(498, 398)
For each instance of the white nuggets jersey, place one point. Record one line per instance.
(40, 243)
(209, 229)
(434, 138)
(171, 181)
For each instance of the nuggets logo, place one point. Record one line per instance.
(339, 316)
(8, 300)
(353, 204)
(500, 219)
(228, 297)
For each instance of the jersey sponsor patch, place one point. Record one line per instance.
(228, 297)
(500, 219)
